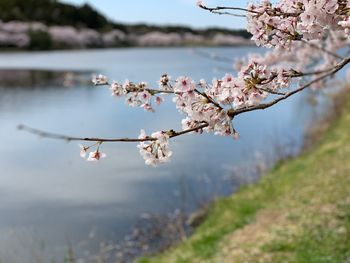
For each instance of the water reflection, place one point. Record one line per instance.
(48, 193)
(30, 79)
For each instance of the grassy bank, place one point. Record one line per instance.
(299, 212)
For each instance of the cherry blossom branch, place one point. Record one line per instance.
(56, 136)
(155, 148)
(287, 27)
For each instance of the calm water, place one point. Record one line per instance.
(48, 193)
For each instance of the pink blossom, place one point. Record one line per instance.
(96, 156)
(184, 84)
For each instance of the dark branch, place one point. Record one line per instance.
(56, 136)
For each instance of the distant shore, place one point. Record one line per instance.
(18, 35)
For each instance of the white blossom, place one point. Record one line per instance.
(155, 152)
(99, 80)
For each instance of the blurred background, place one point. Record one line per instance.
(55, 206)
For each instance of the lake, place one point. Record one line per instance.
(49, 195)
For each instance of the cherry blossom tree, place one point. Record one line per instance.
(307, 42)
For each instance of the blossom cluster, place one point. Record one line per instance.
(200, 108)
(137, 95)
(157, 151)
(292, 20)
(253, 84)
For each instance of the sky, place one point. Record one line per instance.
(166, 12)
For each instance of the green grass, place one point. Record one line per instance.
(299, 212)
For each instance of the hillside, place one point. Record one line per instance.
(298, 213)
(52, 12)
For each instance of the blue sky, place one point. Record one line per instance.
(174, 12)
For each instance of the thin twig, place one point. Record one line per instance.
(208, 98)
(271, 12)
(226, 13)
(271, 91)
(218, 8)
(322, 49)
